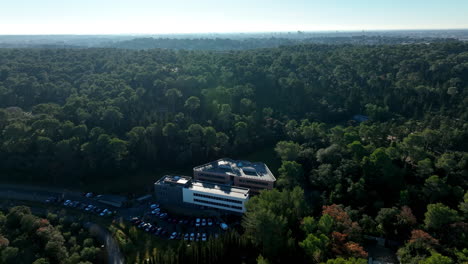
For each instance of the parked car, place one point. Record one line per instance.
(67, 202)
(148, 227)
(203, 237)
(154, 206)
(51, 200)
(186, 237)
(158, 231)
(173, 236)
(223, 226)
(197, 222)
(203, 222)
(192, 236)
(210, 223)
(106, 212)
(89, 195)
(163, 215)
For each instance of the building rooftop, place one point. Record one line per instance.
(239, 168)
(170, 179)
(219, 189)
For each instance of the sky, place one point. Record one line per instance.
(208, 16)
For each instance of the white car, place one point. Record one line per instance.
(203, 237)
(67, 202)
(223, 226)
(154, 206)
(104, 212)
(197, 222)
(173, 235)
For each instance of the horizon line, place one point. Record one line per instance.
(240, 32)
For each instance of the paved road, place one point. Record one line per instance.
(113, 250)
(39, 194)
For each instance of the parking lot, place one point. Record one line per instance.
(162, 224)
(150, 218)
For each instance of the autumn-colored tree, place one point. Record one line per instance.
(422, 238)
(343, 222)
(341, 247)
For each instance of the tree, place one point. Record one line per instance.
(309, 225)
(435, 189)
(315, 246)
(446, 162)
(192, 103)
(330, 154)
(41, 261)
(173, 95)
(267, 230)
(325, 224)
(291, 174)
(288, 150)
(346, 261)
(425, 167)
(387, 220)
(9, 255)
(436, 258)
(269, 218)
(438, 215)
(242, 133)
(262, 260)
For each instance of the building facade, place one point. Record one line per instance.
(182, 190)
(253, 175)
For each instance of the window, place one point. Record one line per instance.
(255, 182)
(218, 204)
(217, 198)
(210, 176)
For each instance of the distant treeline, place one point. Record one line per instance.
(216, 44)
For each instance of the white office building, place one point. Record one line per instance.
(216, 196)
(180, 190)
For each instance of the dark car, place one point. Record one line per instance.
(158, 231)
(51, 200)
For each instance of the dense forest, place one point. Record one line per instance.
(227, 44)
(26, 238)
(69, 116)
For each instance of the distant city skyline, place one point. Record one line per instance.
(28, 17)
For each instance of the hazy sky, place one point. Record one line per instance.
(195, 16)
